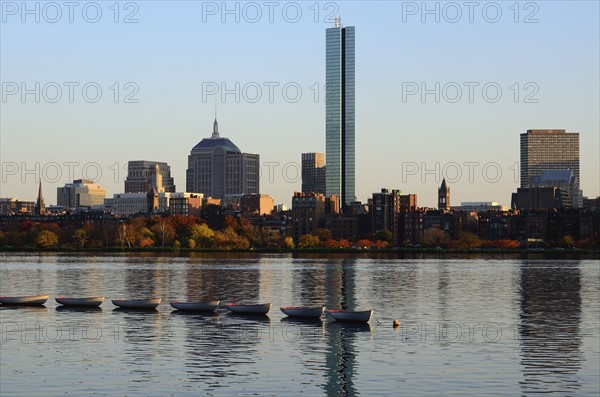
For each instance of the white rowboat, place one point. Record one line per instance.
(249, 309)
(304, 312)
(150, 303)
(90, 301)
(33, 300)
(197, 306)
(351, 315)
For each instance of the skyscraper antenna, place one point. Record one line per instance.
(337, 22)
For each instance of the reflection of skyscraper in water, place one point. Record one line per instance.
(341, 355)
(549, 331)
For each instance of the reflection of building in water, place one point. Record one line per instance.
(341, 356)
(143, 278)
(549, 330)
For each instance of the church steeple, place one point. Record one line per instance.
(40, 207)
(444, 197)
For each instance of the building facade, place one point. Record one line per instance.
(340, 113)
(543, 150)
(384, 212)
(308, 213)
(12, 206)
(217, 168)
(143, 175)
(259, 204)
(80, 193)
(565, 180)
(313, 173)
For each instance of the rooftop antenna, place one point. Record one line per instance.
(337, 22)
(215, 133)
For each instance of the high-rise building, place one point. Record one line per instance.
(80, 193)
(339, 113)
(217, 168)
(142, 176)
(313, 173)
(543, 150)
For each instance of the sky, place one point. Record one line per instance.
(443, 89)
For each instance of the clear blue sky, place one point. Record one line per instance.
(177, 50)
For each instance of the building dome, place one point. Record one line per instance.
(208, 144)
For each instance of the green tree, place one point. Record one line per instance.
(384, 235)
(46, 239)
(203, 235)
(308, 241)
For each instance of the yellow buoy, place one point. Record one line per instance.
(396, 323)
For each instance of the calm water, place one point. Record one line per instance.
(468, 327)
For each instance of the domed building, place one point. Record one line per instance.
(218, 169)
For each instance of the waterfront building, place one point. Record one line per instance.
(80, 193)
(218, 168)
(340, 113)
(543, 150)
(313, 173)
(540, 198)
(142, 175)
(13, 206)
(308, 213)
(385, 207)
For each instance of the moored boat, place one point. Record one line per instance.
(31, 300)
(150, 303)
(248, 309)
(304, 312)
(209, 306)
(90, 301)
(362, 316)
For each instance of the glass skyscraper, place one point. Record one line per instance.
(339, 114)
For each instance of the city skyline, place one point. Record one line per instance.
(407, 139)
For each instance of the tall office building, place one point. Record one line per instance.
(313, 173)
(543, 150)
(143, 175)
(339, 113)
(217, 168)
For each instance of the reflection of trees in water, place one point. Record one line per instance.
(550, 328)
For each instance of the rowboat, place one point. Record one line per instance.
(248, 309)
(209, 306)
(150, 303)
(304, 312)
(90, 301)
(32, 300)
(351, 315)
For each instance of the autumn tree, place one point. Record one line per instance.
(46, 239)
(433, 237)
(308, 241)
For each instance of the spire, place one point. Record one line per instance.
(40, 207)
(215, 133)
(443, 187)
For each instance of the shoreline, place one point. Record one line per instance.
(557, 253)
